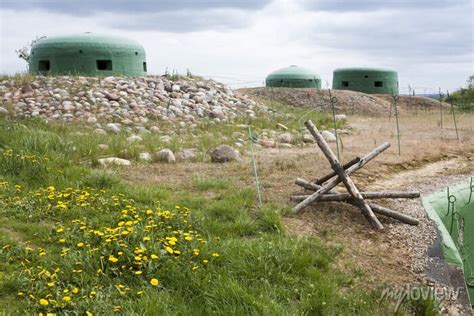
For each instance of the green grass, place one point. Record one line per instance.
(259, 269)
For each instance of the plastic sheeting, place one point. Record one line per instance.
(456, 227)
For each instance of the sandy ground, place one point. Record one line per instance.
(430, 159)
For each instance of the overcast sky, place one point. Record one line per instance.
(429, 42)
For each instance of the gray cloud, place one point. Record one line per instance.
(410, 35)
(373, 5)
(85, 7)
(183, 21)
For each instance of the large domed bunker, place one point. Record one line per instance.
(88, 54)
(293, 77)
(366, 80)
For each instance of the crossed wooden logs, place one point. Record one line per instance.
(341, 173)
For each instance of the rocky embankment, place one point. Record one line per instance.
(134, 102)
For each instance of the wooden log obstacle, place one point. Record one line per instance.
(341, 173)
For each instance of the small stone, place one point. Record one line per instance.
(175, 88)
(142, 130)
(217, 113)
(155, 129)
(224, 153)
(328, 136)
(100, 131)
(144, 156)
(103, 146)
(267, 143)
(189, 154)
(91, 120)
(112, 127)
(165, 139)
(134, 138)
(68, 106)
(165, 155)
(285, 138)
(308, 138)
(114, 161)
(111, 96)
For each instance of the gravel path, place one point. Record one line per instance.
(422, 239)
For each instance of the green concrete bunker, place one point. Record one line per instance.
(89, 55)
(453, 213)
(293, 77)
(366, 80)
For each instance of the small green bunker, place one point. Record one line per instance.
(366, 80)
(89, 55)
(293, 77)
(453, 214)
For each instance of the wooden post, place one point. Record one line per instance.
(346, 180)
(342, 197)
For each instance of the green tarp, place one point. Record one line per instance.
(457, 231)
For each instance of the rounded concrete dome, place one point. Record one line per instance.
(366, 80)
(88, 54)
(293, 77)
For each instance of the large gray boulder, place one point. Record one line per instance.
(224, 153)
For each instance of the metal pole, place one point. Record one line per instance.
(441, 108)
(395, 99)
(252, 140)
(454, 115)
(333, 101)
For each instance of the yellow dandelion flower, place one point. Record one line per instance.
(66, 298)
(205, 261)
(154, 282)
(60, 230)
(75, 290)
(188, 238)
(20, 293)
(43, 302)
(89, 313)
(138, 272)
(113, 259)
(140, 293)
(153, 256)
(50, 284)
(146, 238)
(80, 244)
(169, 249)
(62, 241)
(215, 254)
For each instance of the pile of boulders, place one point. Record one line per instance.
(111, 103)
